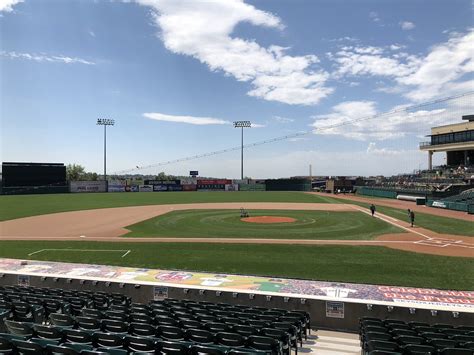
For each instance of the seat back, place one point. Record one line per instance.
(19, 328)
(139, 344)
(77, 336)
(230, 339)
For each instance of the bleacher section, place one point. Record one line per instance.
(394, 337)
(464, 197)
(460, 202)
(439, 182)
(56, 321)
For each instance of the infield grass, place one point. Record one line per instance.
(228, 224)
(18, 206)
(361, 264)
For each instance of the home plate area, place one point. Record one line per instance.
(440, 242)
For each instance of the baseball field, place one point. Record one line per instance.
(287, 234)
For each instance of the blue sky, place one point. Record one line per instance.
(175, 74)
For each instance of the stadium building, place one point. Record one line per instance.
(457, 140)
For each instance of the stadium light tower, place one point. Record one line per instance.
(105, 122)
(242, 125)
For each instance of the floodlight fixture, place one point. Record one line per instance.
(242, 125)
(105, 122)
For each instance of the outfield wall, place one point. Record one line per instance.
(449, 205)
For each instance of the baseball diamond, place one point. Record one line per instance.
(237, 177)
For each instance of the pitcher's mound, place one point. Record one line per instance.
(268, 219)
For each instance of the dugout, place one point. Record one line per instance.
(33, 178)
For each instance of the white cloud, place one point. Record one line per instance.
(45, 58)
(372, 61)
(396, 47)
(297, 139)
(7, 5)
(407, 25)
(344, 39)
(441, 68)
(440, 72)
(360, 120)
(184, 119)
(91, 33)
(374, 16)
(372, 149)
(203, 29)
(283, 119)
(257, 125)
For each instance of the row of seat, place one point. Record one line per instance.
(78, 300)
(14, 345)
(111, 321)
(393, 336)
(103, 337)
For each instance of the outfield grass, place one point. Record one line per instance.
(12, 207)
(227, 224)
(373, 265)
(438, 224)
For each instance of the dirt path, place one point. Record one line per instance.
(400, 204)
(109, 224)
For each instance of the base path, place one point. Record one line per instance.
(108, 225)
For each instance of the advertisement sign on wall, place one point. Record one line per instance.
(160, 188)
(87, 186)
(116, 186)
(160, 293)
(232, 187)
(213, 184)
(189, 187)
(24, 280)
(334, 309)
(162, 182)
(145, 188)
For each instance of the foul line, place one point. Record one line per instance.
(94, 250)
(431, 241)
(395, 224)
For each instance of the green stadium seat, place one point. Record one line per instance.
(230, 339)
(61, 350)
(108, 340)
(142, 329)
(19, 328)
(169, 332)
(200, 336)
(264, 343)
(48, 332)
(62, 320)
(114, 326)
(6, 346)
(205, 350)
(139, 344)
(414, 349)
(25, 347)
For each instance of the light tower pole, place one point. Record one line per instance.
(105, 122)
(242, 125)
